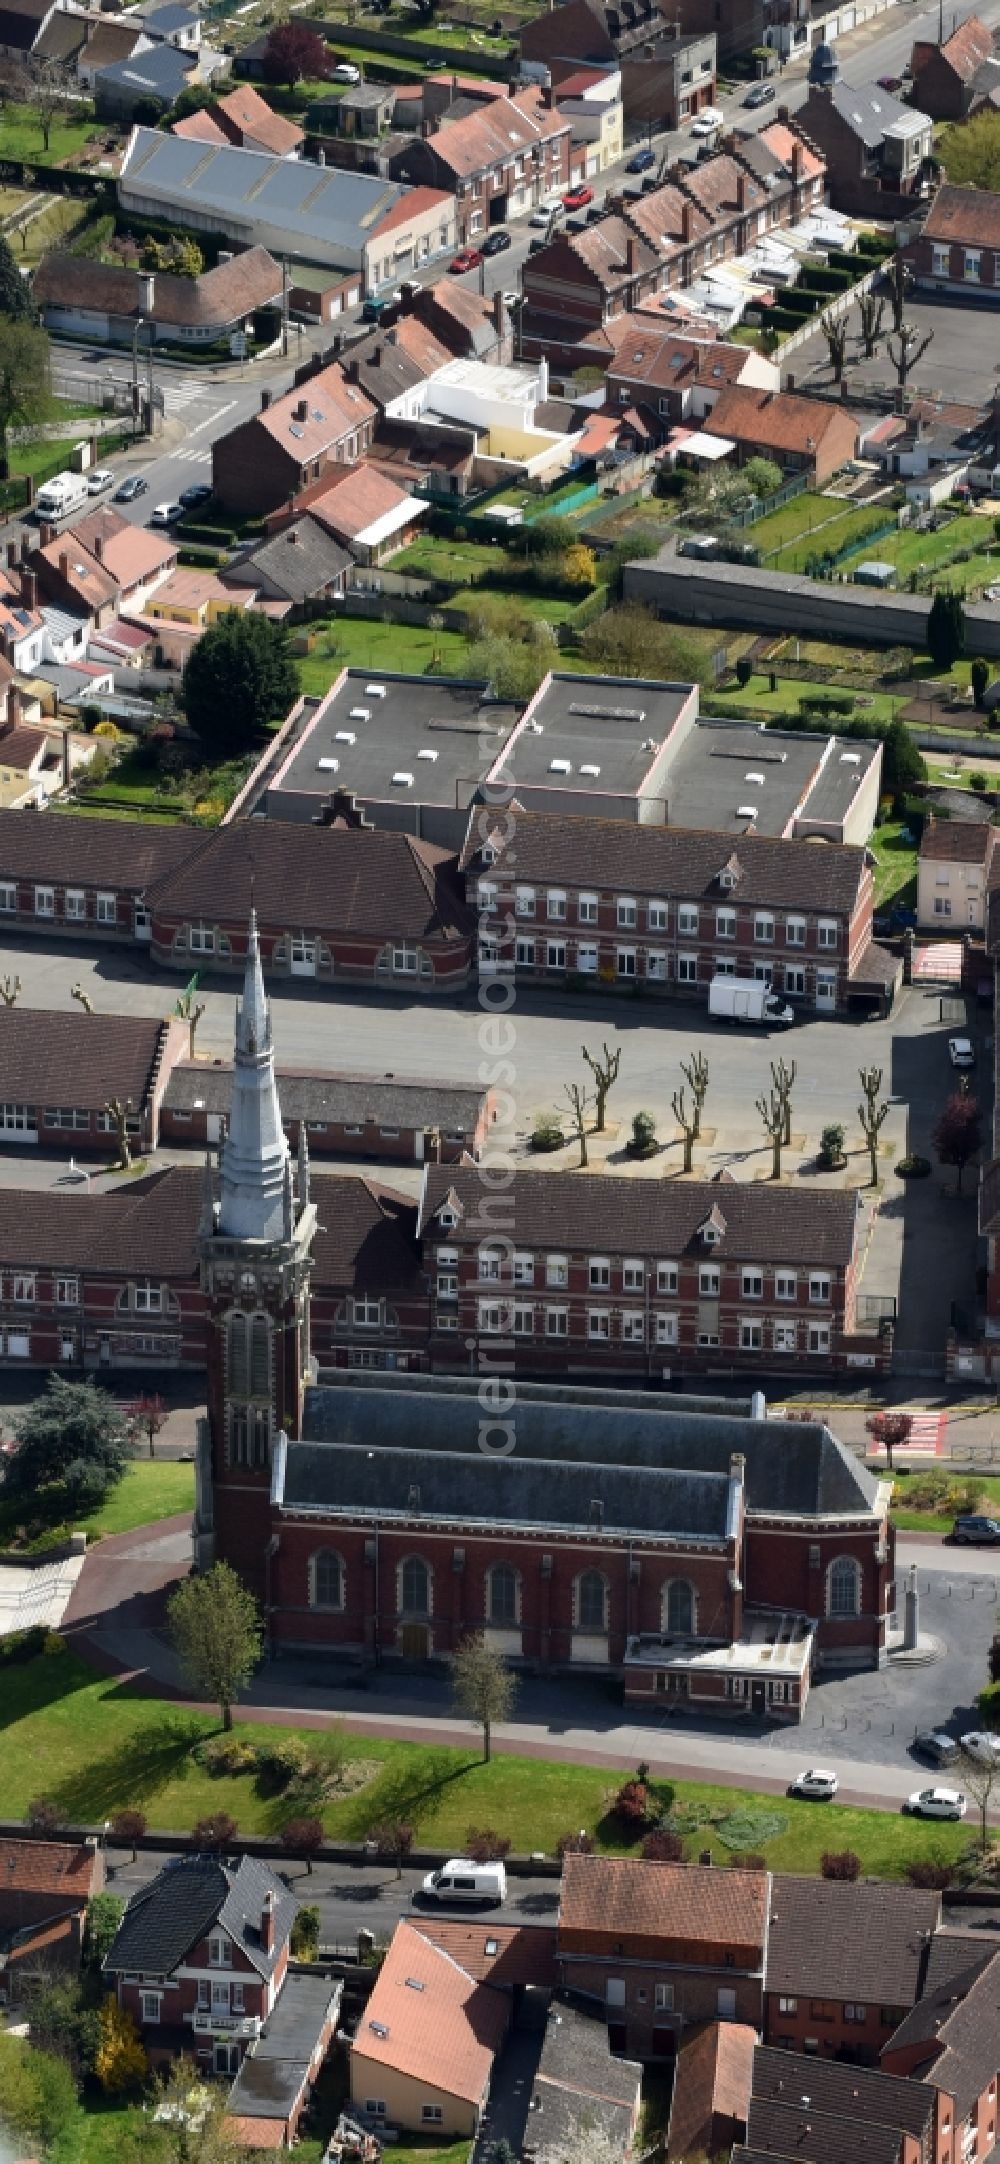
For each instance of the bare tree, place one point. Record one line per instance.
(834, 329)
(83, 998)
(904, 352)
(191, 1013)
(772, 1112)
(9, 989)
(898, 281)
(695, 1072)
(688, 1124)
(871, 309)
(980, 1776)
(604, 1068)
(783, 1083)
(48, 96)
(872, 1114)
(118, 1112)
(579, 1105)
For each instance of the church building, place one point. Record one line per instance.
(700, 1551)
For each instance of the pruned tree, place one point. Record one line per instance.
(834, 329)
(118, 1110)
(772, 1112)
(783, 1083)
(688, 1124)
(958, 1133)
(9, 989)
(891, 1430)
(216, 1631)
(148, 1412)
(82, 998)
(898, 281)
(604, 1067)
(872, 1114)
(302, 1837)
(579, 1105)
(695, 1072)
(483, 1686)
(905, 350)
(214, 1833)
(191, 1012)
(871, 309)
(393, 1840)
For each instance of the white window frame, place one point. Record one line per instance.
(107, 908)
(763, 928)
(657, 916)
(75, 904)
(599, 1325)
(795, 931)
(785, 1336)
(786, 1284)
(687, 969)
(688, 920)
(665, 1328)
(725, 924)
(8, 898)
(599, 1273)
(627, 913)
(555, 905)
(827, 934)
(751, 1282)
(657, 966)
(820, 1288)
(557, 1271)
(587, 908)
(633, 1274)
(45, 901)
(709, 1280)
(587, 959)
(557, 1322)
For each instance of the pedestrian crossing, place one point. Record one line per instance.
(190, 458)
(178, 395)
(927, 1433)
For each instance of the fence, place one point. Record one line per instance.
(763, 504)
(445, 54)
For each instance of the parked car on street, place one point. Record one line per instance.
(977, 1743)
(936, 1803)
(101, 478)
(467, 259)
(759, 94)
(578, 198)
(131, 487)
(933, 1743)
(818, 1783)
(496, 241)
(711, 118)
(462, 1881)
(199, 492)
(961, 1052)
(165, 514)
(973, 1532)
(641, 161)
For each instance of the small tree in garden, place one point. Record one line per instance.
(831, 1145)
(631, 1805)
(216, 1631)
(933, 1877)
(45, 1817)
(604, 1067)
(842, 1863)
(890, 1431)
(958, 1133)
(783, 1082)
(215, 1832)
(979, 1778)
(121, 2063)
(979, 676)
(119, 1110)
(695, 1072)
(303, 1837)
(393, 1841)
(127, 1829)
(294, 53)
(946, 628)
(872, 1114)
(484, 1845)
(305, 1933)
(662, 1847)
(104, 1914)
(484, 1687)
(575, 1844)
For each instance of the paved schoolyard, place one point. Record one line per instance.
(960, 364)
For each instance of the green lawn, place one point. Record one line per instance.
(22, 135)
(555, 608)
(201, 790)
(851, 525)
(911, 551)
(896, 865)
(150, 1489)
(366, 643)
(43, 454)
(453, 562)
(940, 1521)
(801, 515)
(790, 694)
(93, 1745)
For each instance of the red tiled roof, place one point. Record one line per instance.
(199, 128)
(773, 420)
(494, 132)
(414, 203)
(624, 1898)
(62, 1868)
(782, 139)
(969, 45)
(369, 881)
(713, 2080)
(495, 1953)
(363, 495)
(429, 2019)
(44, 1052)
(332, 405)
(250, 114)
(964, 215)
(21, 746)
(949, 841)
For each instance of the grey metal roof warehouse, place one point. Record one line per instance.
(322, 212)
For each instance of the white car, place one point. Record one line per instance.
(961, 1052)
(936, 1803)
(346, 72)
(550, 205)
(708, 121)
(981, 1746)
(818, 1783)
(101, 478)
(166, 513)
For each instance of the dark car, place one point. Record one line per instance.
(496, 242)
(759, 94)
(941, 1749)
(890, 82)
(976, 1532)
(199, 492)
(132, 487)
(641, 162)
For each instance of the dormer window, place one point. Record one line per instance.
(447, 1218)
(219, 1951)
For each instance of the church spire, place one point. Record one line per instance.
(255, 1151)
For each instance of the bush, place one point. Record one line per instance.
(305, 1934)
(840, 1863)
(127, 1828)
(662, 1847)
(45, 1817)
(215, 1832)
(978, 783)
(485, 1845)
(751, 1861)
(831, 1145)
(643, 1141)
(282, 1761)
(547, 1134)
(23, 1645)
(631, 1805)
(227, 1755)
(933, 1877)
(574, 1844)
(912, 1167)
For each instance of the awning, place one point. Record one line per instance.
(710, 448)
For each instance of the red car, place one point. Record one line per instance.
(578, 198)
(466, 259)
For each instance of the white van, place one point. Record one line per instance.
(460, 1880)
(62, 495)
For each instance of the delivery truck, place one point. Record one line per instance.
(743, 999)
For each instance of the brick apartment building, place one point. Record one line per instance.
(498, 160)
(845, 1964)
(640, 1277)
(44, 1890)
(957, 248)
(572, 899)
(952, 77)
(586, 30)
(662, 1946)
(265, 461)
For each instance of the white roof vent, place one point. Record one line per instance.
(850, 758)
(427, 755)
(402, 781)
(755, 777)
(560, 766)
(746, 811)
(345, 736)
(593, 771)
(374, 691)
(328, 766)
(361, 713)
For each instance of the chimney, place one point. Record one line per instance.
(25, 548)
(148, 290)
(63, 564)
(632, 256)
(798, 160)
(11, 555)
(99, 547)
(267, 1923)
(500, 318)
(543, 381)
(376, 356)
(29, 588)
(741, 191)
(265, 400)
(302, 410)
(67, 764)
(546, 99)
(687, 224)
(321, 156)
(48, 535)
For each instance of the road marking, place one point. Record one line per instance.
(927, 1432)
(212, 418)
(189, 458)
